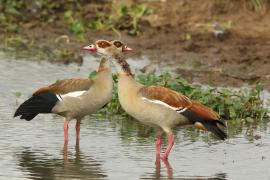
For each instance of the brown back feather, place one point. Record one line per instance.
(178, 100)
(165, 95)
(203, 111)
(66, 86)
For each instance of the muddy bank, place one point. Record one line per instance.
(177, 34)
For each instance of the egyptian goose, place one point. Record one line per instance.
(159, 107)
(72, 98)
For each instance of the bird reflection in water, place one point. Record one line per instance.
(77, 152)
(38, 164)
(169, 173)
(167, 165)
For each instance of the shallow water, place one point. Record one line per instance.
(112, 147)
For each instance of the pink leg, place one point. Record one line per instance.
(78, 128)
(158, 145)
(158, 149)
(169, 146)
(65, 153)
(158, 170)
(66, 131)
(169, 169)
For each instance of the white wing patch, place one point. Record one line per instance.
(59, 97)
(72, 94)
(178, 109)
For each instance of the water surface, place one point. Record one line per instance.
(112, 147)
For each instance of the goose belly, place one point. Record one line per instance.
(79, 107)
(153, 115)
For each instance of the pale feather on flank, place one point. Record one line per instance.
(161, 103)
(73, 94)
(181, 109)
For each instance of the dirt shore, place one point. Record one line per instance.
(178, 33)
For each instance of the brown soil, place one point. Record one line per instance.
(179, 34)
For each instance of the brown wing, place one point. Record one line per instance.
(165, 95)
(202, 116)
(177, 100)
(203, 111)
(66, 86)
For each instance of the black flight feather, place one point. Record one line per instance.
(41, 103)
(209, 124)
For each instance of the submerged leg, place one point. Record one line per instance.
(65, 149)
(78, 128)
(169, 169)
(169, 146)
(66, 131)
(158, 146)
(158, 142)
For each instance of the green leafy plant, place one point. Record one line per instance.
(17, 94)
(2, 18)
(123, 17)
(137, 12)
(100, 23)
(257, 5)
(127, 17)
(11, 7)
(75, 26)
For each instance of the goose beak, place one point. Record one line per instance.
(91, 48)
(125, 49)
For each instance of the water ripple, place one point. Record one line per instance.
(110, 148)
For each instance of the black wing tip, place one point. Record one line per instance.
(221, 122)
(17, 113)
(222, 135)
(27, 117)
(213, 127)
(42, 103)
(219, 133)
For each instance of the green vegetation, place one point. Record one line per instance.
(74, 18)
(257, 5)
(75, 26)
(244, 105)
(123, 17)
(251, 5)
(22, 48)
(116, 16)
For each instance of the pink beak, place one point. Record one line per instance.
(125, 49)
(91, 48)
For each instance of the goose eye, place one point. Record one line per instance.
(117, 44)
